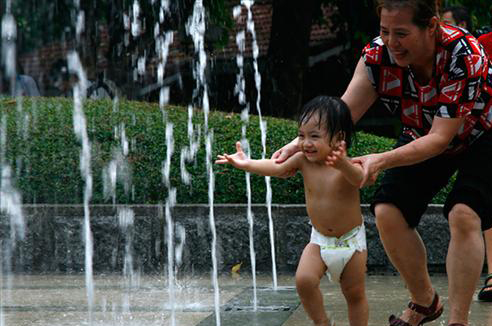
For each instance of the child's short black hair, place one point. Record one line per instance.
(333, 113)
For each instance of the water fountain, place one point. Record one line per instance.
(10, 198)
(124, 263)
(263, 127)
(118, 172)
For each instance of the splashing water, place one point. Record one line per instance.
(240, 91)
(118, 169)
(181, 235)
(188, 153)
(9, 36)
(263, 128)
(162, 49)
(196, 28)
(10, 204)
(170, 203)
(211, 187)
(249, 211)
(80, 129)
(135, 24)
(10, 197)
(126, 218)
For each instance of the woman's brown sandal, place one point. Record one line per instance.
(430, 313)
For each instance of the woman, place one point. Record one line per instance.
(436, 76)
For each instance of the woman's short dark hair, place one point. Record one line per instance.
(333, 114)
(423, 10)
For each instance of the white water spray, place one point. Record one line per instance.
(80, 129)
(9, 36)
(126, 218)
(118, 169)
(188, 153)
(10, 205)
(170, 203)
(196, 28)
(263, 128)
(10, 197)
(240, 91)
(211, 187)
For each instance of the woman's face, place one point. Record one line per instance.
(409, 44)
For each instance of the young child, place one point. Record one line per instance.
(331, 186)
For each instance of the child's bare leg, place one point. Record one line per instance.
(352, 283)
(308, 275)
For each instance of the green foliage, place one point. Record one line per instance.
(31, 18)
(44, 153)
(220, 16)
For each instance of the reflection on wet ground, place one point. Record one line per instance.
(57, 300)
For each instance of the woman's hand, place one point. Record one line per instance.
(283, 154)
(370, 166)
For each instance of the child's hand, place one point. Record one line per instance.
(238, 160)
(338, 156)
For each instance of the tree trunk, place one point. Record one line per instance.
(287, 58)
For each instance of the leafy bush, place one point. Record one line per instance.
(43, 152)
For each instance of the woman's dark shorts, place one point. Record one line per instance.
(411, 188)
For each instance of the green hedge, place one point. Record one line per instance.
(44, 152)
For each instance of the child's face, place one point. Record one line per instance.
(313, 140)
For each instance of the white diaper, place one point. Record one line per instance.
(336, 252)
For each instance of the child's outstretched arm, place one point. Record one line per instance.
(266, 167)
(338, 159)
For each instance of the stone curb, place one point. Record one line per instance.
(53, 241)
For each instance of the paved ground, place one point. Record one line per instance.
(57, 300)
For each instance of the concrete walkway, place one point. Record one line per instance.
(57, 300)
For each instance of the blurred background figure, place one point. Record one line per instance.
(25, 85)
(458, 16)
(62, 82)
(21, 85)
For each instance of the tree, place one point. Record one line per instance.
(107, 15)
(288, 53)
(284, 68)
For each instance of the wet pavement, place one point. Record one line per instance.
(57, 300)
